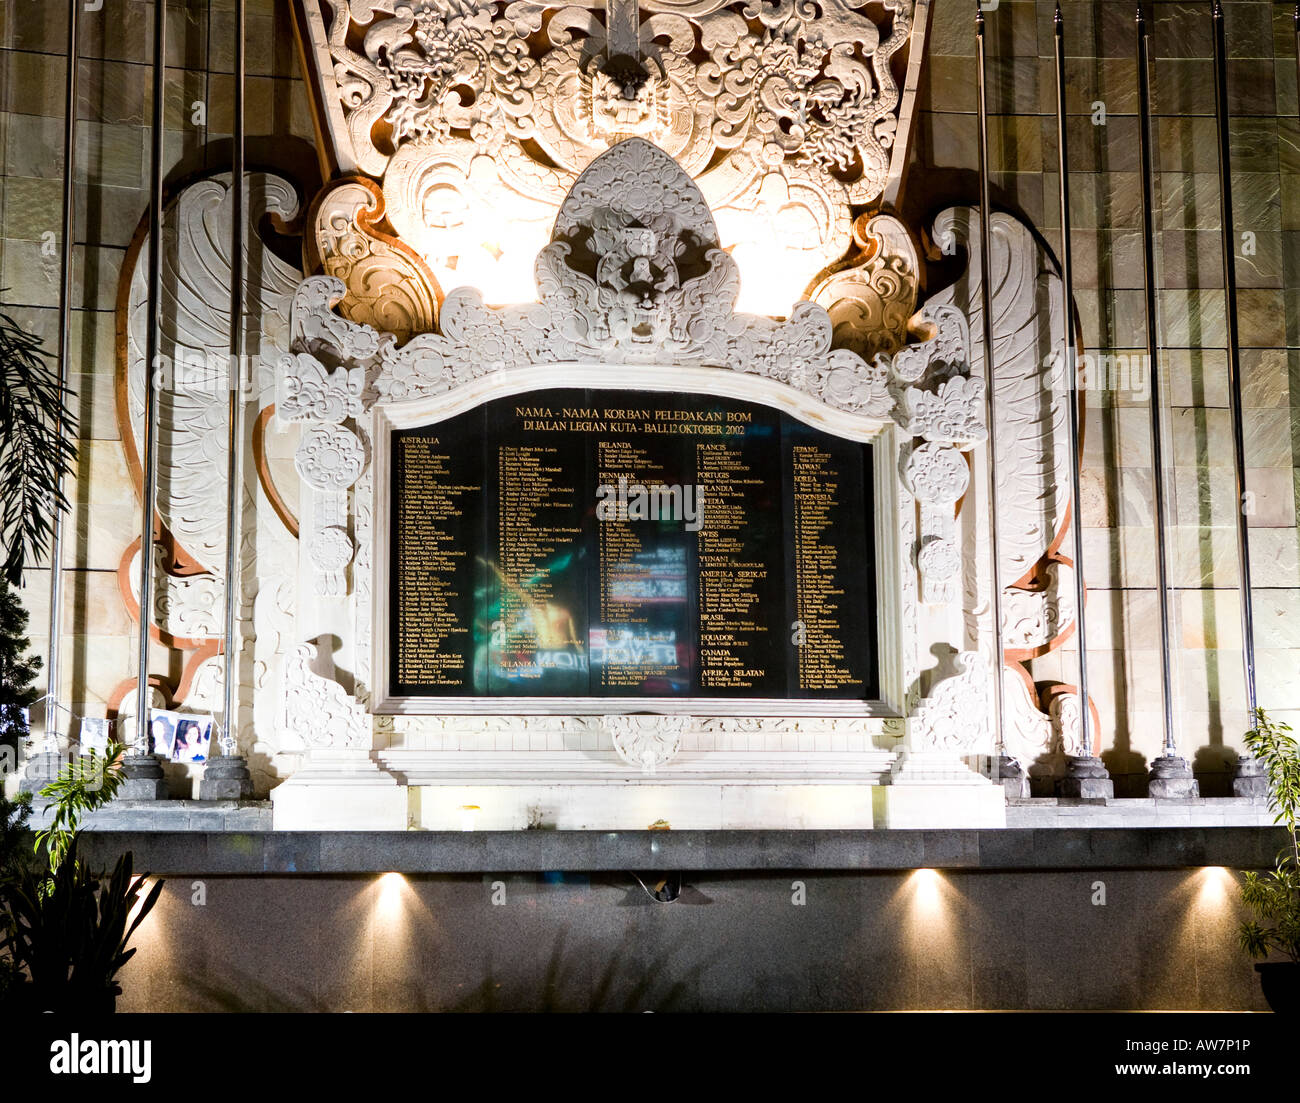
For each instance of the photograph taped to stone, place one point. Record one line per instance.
(94, 735)
(192, 736)
(162, 732)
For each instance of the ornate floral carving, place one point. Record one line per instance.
(317, 710)
(388, 286)
(634, 273)
(185, 607)
(645, 741)
(940, 565)
(330, 457)
(331, 548)
(871, 303)
(953, 411)
(332, 339)
(1032, 618)
(785, 111)
(937, 473)
(309, 391)
(954, 717)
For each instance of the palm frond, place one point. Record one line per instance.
(37, 431)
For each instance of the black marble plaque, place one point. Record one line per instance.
(630, 544)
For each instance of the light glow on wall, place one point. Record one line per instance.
(926, 888)
(392, 893)
(1215, 887)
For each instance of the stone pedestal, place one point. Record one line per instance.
(1249, 779)
(1086, 777)
(1171, 779)
(340, 790)
(1003, 770)
(932, 789)
(226, 777)
(42, 768)
(143, 778)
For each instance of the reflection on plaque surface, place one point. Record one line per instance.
(598, 543)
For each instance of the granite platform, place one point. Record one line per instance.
(256, 853)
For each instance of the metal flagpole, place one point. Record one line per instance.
(1169, 773)
(65, 315)
(1246, 771)
(1004, 767)
(1234, 352)
(1071, 367)
(235, 496)
(39, 770)
(142, 767)
(226, 775)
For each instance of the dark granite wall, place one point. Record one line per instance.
(732, 941)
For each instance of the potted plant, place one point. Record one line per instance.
(1274, 896)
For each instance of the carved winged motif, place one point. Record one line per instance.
(192, 436)
(194, 343)
(1032, 438)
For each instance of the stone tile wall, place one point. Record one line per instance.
(112, 192)
(1105, 197)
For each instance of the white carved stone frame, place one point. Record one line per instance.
(615, 310)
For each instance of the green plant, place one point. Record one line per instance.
(13, 824)
(36, 447)
(1274, 896)
(68, 933)
(18, 671)
(82, 786)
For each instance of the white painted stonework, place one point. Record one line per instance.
(683, 173)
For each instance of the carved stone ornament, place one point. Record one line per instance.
(1067, 725)
(1033, 618)
(633, 274)
(311, 392)
(646, 742)
(1026, 729)
(189, 607)
(478, 115)
(871, 302)
(389, 285)
(937, 474)
(1032, 442)
(1033, 462)
(954, 717)
(330, 457)
(194, 342)
(318, 711)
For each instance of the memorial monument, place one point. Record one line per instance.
(611, 465)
